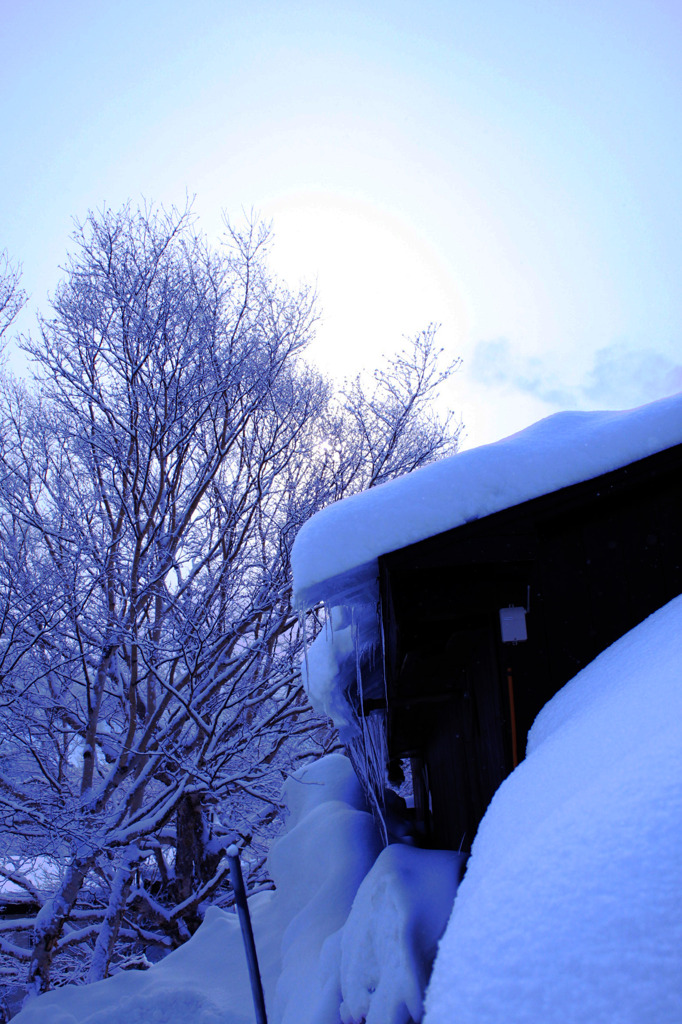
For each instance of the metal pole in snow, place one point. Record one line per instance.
(247, 933)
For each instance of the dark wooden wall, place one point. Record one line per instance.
(589, 561)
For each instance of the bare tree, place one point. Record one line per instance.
(384, 423)
(152, 483)
(12, 297)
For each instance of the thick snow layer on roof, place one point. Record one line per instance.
(335, 552)
(569, 910)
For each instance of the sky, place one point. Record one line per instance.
(509, 169)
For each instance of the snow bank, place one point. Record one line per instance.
(389, 941)
(329, 844)
(359, 927)
(569, 911)
(189, 985)
(331, 946)
(335, 553)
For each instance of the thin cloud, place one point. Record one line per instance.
(621, 375)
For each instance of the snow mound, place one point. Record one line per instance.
(569, 911)
(389, 941)
(329, 847)
(329, 844)
(335, 552)
(328, 779)
(188, 985)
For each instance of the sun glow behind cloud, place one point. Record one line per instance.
(377, 277)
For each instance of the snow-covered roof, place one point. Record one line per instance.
(336, 552)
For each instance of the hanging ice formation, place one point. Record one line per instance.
(343, 671)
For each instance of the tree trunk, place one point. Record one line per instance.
(50, 922)
(194, 864)
(106, 940)
(190, 846)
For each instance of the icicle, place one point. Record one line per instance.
(373, 783)
(302, 620)
(358, 675)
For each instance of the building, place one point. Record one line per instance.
(477, 587)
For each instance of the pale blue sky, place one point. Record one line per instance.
(511, 169)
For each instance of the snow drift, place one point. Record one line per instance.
(389, 941)
(350, 932)
(329, 845)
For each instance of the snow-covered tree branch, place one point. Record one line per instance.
(151, 483)
(12, 296)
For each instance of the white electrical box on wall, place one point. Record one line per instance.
(513, 625)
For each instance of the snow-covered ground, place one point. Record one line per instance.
(351, 930)
(568, 912)
(329, 845)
